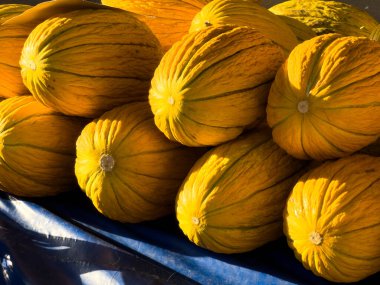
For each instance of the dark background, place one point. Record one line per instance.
(371, 6)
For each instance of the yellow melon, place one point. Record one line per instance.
(245, 13)
(213, 84)
(328, 16)
(325, 100)
(86, 62)
(233, 198)
(332, 219)
(37, 148)
(20, 20)
(128, 168)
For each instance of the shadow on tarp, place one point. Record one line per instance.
(34, 256)
(163, 242)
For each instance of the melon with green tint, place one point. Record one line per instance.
(328, 16)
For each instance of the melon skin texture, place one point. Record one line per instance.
(213, 84)
(328, 16)
(37, 149)
(88, 61)
(325, 100)
(375, 35)
(233, 198)
(128, 168)
(168, 19)
(8, 11)
(12, 38)
(332, 219)
(245, 13)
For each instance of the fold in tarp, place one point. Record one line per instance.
(64, 240)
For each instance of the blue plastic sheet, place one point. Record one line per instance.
(40, 246)
(64, 240)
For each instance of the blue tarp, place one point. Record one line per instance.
(64, 240)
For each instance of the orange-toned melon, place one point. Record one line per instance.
(37, 148)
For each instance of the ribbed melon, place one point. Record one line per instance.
(325, 100)
(128, 168)
(86, 62)
(37, 148)
(245, 13)
(328, 16)
(11, 41)
(233, 198)
(213, 84)
(332, 219)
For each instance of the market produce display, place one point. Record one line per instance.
(246, 123)
(213, 84)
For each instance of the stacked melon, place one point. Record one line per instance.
(68, 80)
(247, 123)
(323, 104)
(85, 120)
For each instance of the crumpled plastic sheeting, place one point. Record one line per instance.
(64, 240)
(39, 247)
